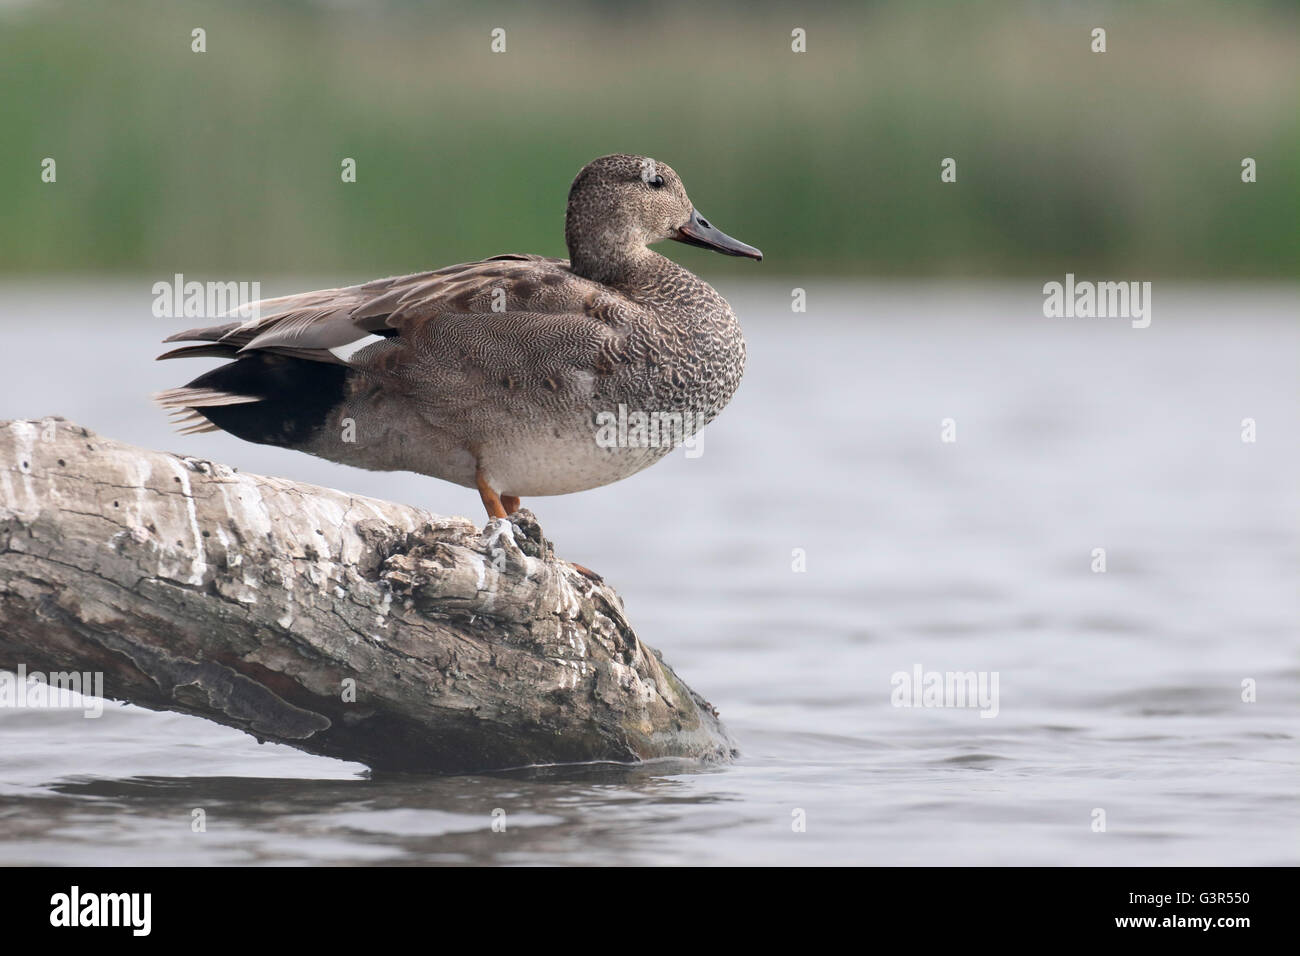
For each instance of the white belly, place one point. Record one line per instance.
(530, 467)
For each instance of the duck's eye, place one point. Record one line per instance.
(656, 182)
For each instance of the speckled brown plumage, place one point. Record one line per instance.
(491, 374)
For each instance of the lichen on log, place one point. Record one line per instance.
(334, 623)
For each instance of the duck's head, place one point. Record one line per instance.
(619, 205)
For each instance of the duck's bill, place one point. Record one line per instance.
(698, 232)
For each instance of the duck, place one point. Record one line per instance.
(501, 374)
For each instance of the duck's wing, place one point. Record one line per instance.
(506, 322)
(315, 322)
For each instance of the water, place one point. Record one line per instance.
(1118, 691)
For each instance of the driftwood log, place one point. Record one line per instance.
(333, 623)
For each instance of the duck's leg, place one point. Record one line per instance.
(491, 500)
(501, 506)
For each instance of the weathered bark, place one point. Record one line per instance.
(255, 601)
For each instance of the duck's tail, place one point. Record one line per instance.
(265, 397)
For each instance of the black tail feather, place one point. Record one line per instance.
(295, 397)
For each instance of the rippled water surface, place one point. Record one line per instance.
(1119, 691)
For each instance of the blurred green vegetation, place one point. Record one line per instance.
(228, 162)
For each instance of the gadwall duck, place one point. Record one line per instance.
(502, 375)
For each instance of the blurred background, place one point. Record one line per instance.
(229, 161)
(1120, 690)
